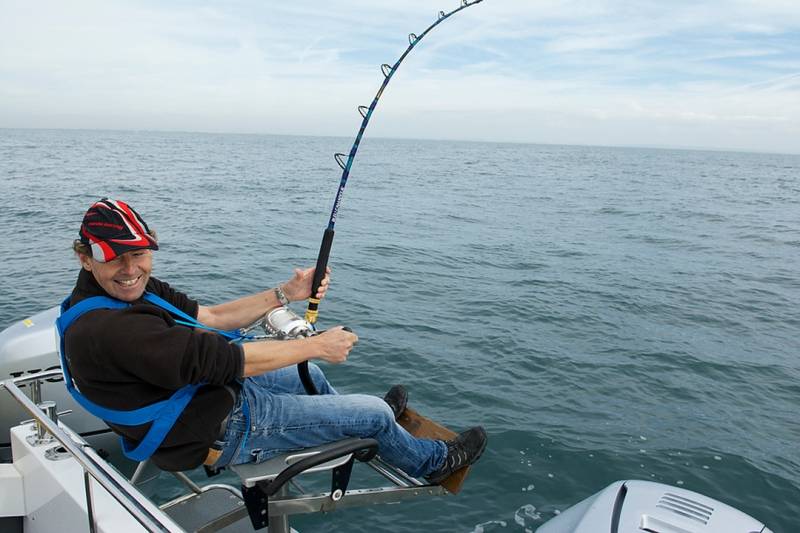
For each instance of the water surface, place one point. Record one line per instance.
(606, 313)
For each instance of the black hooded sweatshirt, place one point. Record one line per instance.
(129, 358)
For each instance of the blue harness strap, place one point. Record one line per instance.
(163, 414)
(234, 335)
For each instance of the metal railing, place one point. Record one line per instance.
(135, 503)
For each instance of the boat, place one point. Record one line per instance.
(58, 473)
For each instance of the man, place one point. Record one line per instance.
(129, 347)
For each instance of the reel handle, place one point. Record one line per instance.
(305, 375)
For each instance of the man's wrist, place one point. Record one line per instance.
(281, 296)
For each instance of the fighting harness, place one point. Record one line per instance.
(163, 414)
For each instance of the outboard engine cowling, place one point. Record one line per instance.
(27, 347)
(647, 507)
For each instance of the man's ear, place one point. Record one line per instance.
(86, 262)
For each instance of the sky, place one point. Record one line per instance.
(690, 74)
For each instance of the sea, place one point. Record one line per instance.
(605, 313)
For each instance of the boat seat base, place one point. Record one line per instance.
(197, 510)
(252, 473)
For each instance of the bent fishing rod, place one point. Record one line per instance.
(388, 71)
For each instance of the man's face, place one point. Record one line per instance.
(123, 278)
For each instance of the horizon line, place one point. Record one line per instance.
(715, 149)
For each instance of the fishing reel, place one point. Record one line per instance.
(284, 324)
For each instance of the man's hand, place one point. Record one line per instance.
(299, 287)
(334, 345)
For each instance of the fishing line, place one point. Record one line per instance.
(388, 71)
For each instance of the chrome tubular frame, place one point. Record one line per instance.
(138, 506)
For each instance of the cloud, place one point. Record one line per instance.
(302, 67)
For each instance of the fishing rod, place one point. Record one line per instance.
(312, 311)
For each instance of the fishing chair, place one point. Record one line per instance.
(270, 491)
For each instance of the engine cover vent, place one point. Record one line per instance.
(685, 507)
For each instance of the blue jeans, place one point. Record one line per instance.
(282, 418)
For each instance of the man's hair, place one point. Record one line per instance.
(82, 248)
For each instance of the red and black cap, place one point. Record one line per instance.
(112, 227)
